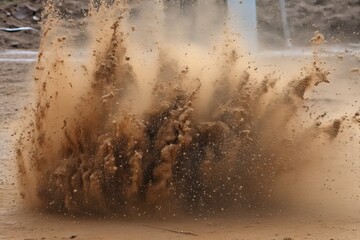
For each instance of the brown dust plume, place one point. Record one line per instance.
(130, 121)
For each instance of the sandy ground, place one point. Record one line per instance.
(20, 222)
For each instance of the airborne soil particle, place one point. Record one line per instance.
(95, 155)
(93, 120)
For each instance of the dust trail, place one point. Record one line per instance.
(137, 127)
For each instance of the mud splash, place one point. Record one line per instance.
(102, 137)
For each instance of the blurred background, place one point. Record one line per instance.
(273, 23)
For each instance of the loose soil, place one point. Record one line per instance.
(119, 139)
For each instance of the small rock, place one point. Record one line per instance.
(14, 45)
(23, 12)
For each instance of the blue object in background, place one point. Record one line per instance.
(243, 21)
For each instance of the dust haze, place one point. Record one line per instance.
(147, 113)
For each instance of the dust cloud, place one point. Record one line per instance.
(134, 118)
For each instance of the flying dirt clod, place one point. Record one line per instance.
(86, 148)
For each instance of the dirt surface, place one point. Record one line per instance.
(338, 20)
(14, 92)
(20, 13)
(15, 14)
